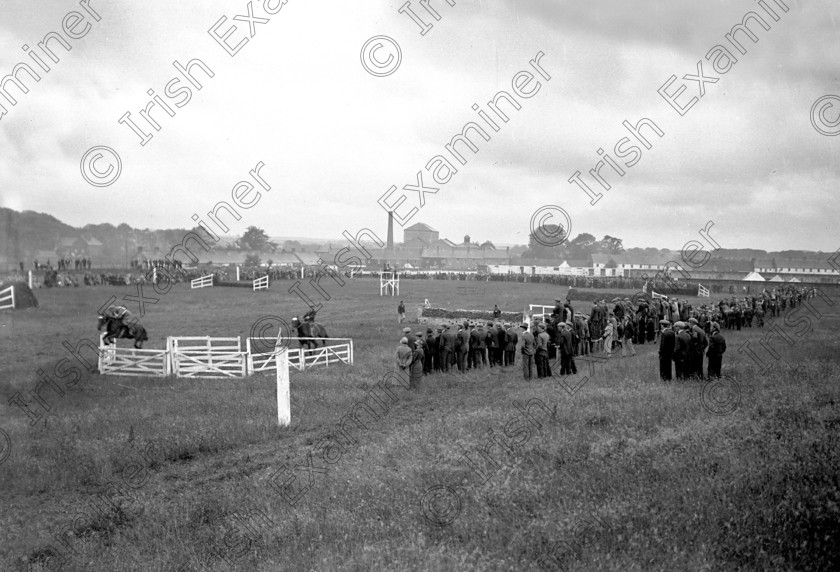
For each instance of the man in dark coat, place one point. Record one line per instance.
(717, 346)
(567, 351)
(462, 348)
(491, 342)
(430, 363)
(447, 347)
(681, 350)
(511, 339)
(499, 332)
(481, 354)
(702, 343)
(667, 345)
(474, 359)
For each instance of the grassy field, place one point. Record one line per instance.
(625, 473)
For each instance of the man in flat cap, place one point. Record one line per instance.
(448, 347)
(430, 347)
(541, 356)
(567, 350)
(681, 349)
(717, 346)
(511, 339)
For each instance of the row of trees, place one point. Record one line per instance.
(550, 241)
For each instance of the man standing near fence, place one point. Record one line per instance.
(401, 313)
(666, 349)
(527, 351)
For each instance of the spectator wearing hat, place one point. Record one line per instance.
(681, 349)
(500, 334)
(415, 368)
(541, 355)
(481, 353)
(668, 341)
(430, 348)
(701, 342)
(439, 352)
(462, 348)
(567, 350)
(447, 354)
(717, 347)
(629, 334)
(492, 345)
(528, 349)
(403, 355)
(401, 313)
(511, 339)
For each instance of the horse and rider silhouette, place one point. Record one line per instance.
(308, 328)
(118, 323)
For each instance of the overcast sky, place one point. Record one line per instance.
(334, 138)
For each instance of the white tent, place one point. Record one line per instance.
(776, 278)
(753, 277)
(794, 279)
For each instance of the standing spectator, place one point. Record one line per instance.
(717, 347)
(21, 267)
(481, 354)
(462, 348)
(496, 312)
(609, 335)
(543, 368)
(415, 368)
(701, 344)
(475, 361)
(430, 347)
(403, 355)
(492, 345)
(567, 351)
(527, 351)
(629, 334)
(448, 347)
(681, 348)
(511, 338)
(666, 350)
(401, 313)
(412, 340)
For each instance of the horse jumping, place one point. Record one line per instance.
(306, 329)
(115, 328)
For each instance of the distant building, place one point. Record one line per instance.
(422, 231)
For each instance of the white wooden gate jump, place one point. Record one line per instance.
(260, 358)
(702, 291)
(7, 298)
(202, 282)
(261, 283)
(207, 357)
(132, 361)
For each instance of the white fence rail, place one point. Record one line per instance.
(206, 357)
(219, 358)
(202, 282)
(261, 283)
(261, 353)
(540, 310)
(132, 361)
(702, 291)
(7, 298)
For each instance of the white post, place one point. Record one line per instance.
(31, 283)
(237, 273)
(284, 413)
(154, 274)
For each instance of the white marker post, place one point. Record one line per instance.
(237, 273)
(31, 283)
(284, 412)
